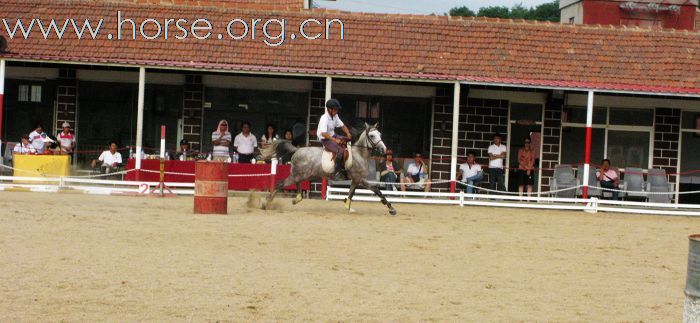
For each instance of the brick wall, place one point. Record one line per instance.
(550, 140)
(479, 120)
(192, 110)
(666, 136)
(66, 98)
(442, 140)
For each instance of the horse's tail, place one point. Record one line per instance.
(278, 148)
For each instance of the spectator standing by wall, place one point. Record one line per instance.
(221, 139)
(269, 136)
(497, 154)
(245, 143)
(66, 139)
(38, 138)
(526, 167)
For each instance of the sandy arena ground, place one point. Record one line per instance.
(94, 258)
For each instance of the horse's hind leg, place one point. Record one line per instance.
(298, 197)
(278, 188)
(351, 193)
(377, 192)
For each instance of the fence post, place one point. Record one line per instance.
(691, 309)
(324, 186)
(273, 174)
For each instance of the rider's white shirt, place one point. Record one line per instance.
(328, 124)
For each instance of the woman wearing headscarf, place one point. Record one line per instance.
(221, 140)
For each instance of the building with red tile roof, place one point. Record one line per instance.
(203, 61)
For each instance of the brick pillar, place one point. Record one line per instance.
(666, 137)
(442, 136)
(550, 140)
(480, 119)
(192, 110)
(67, 98)
(317, 108)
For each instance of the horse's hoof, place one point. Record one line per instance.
(346, 204)
(392, 212)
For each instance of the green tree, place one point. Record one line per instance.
(462, 11)
(494, 12)
(546, 11)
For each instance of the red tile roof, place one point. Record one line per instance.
(239, 4)
(383, 46)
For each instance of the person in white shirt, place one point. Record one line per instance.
(221, 139)
(38, 138)
(416, 175)
(66, 139)
(110, 159)
(326, 134)
(24, 147)
(470, 172)
(245, 143)
(497, 154)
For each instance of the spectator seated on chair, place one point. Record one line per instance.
(416, 177)
(110, 160)
(389, 171)
(24, 147)
(608, 178)
(470, 173)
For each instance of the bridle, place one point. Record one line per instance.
(372, 143)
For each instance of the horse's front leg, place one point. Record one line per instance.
(351, 193)
(377, 192)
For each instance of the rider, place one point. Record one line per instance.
(326, 134)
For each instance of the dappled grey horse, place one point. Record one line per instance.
(306, 163)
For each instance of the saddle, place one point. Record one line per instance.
(328, 160)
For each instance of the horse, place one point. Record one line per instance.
(307, 163)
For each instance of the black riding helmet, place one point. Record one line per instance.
(333, 103)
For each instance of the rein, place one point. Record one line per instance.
(373, 144)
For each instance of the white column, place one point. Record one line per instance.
(329, 87)
(139, 116)
(587, 153)
(455, 133)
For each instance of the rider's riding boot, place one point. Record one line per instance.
(339, 169)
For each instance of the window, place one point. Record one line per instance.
(28, 93)
(36, 93)
(691, 120)
(572, 20)
(619, 134)
(628, 148)
(573, 145)
(523, 111)
(578, 115)
(23, 94)
(632, 117)
(367, 111)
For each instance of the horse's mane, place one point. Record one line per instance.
(357, 130)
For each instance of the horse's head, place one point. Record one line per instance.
(374, 138)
